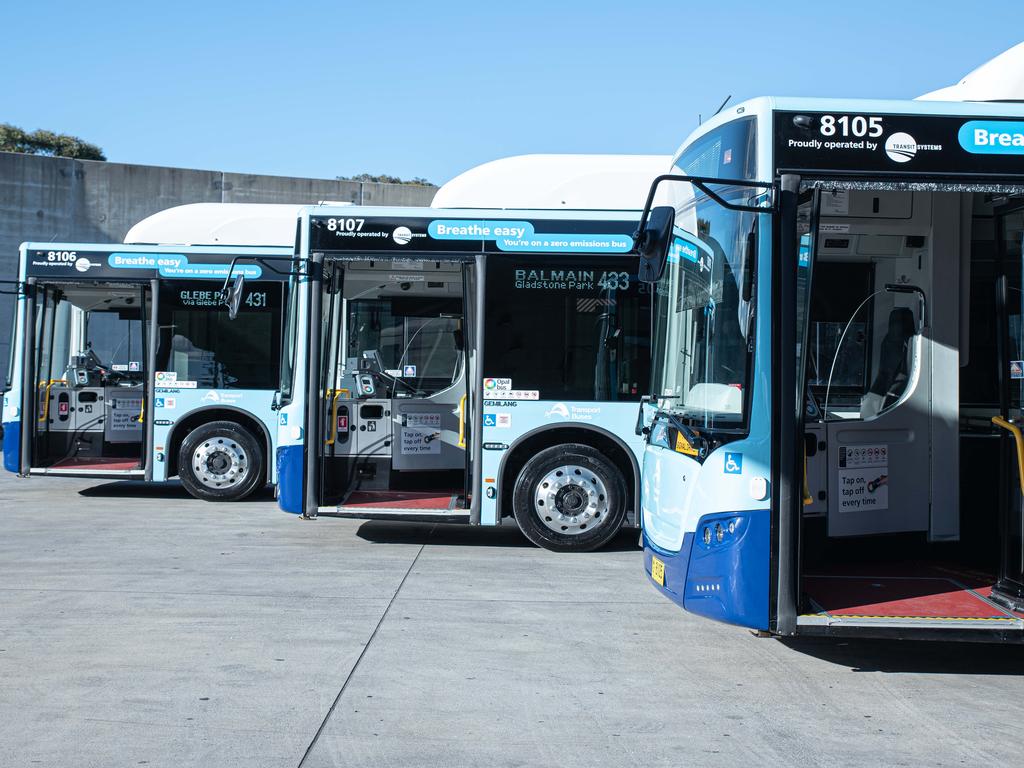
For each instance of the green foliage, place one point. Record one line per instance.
(385, 179)
(14, 139)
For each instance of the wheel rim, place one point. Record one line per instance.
(571, 500)
(220, 462)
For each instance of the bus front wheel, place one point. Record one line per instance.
(220, 461)
(569, 498)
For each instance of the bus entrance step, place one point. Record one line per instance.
(93, 466)
(888, 599)
(436, 506)
(396, 513)
(414, 500)
(97, 463)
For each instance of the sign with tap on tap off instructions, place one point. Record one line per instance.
(863, 477)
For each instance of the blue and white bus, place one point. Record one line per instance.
(833, 440)
(126, 366)
(466, 366)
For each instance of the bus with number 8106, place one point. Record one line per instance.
(124, 362)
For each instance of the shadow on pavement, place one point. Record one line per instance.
(508, 535)
(918, 656)
(168, 490)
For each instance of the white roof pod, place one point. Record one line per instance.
(218, 224)
(545, 182)
(999, 79)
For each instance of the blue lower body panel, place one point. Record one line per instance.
(723, 574)
(290, 472)
(12, 446)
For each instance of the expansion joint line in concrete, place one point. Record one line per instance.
(369, 642)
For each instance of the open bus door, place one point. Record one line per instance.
(393, 357)
(715, 516)
(1009, 588)
(87, 378)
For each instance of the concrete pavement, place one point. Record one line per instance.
(141, 627)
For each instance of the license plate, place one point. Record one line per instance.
(658, 571)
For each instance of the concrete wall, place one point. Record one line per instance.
(54, 198)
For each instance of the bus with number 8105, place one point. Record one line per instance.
(833, 431)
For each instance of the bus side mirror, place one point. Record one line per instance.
(653, 243)
(233, 299)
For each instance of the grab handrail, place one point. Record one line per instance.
(462, 421)
(1018, 438)
(46, 400)
(335, 394)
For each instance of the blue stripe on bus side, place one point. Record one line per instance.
(12, 446)
(289, 478)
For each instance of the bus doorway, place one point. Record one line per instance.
(1008, 590)
(86, 378)
(396, 404)
(911, 515)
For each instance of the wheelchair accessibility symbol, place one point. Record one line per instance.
(490, 419)
(734, 463)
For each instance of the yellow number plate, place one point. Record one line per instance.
(658, 571)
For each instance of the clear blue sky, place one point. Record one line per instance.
(430, 89)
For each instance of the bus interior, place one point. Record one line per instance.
(395, 389)
(912, 503)
(87, 379)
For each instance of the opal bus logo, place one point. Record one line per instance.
(402, 235)
(901, 147)
(497, 385)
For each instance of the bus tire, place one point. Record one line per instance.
(569, 498)
(220, 461)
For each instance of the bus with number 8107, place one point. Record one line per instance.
(465, 366)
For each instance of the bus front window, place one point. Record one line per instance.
(704, 301)
(703, 313)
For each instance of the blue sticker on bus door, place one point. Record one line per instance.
(490, 419)
(1017, 369)
(733, 463)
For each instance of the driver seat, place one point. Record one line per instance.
(894, 358)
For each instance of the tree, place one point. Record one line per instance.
(385, 179)
(48, 143)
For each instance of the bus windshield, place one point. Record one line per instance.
(703, 326)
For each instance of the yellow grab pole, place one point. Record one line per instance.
(1014, 430)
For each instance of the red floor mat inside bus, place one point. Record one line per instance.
(96, 463)
(402, 500)
(898, 596)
